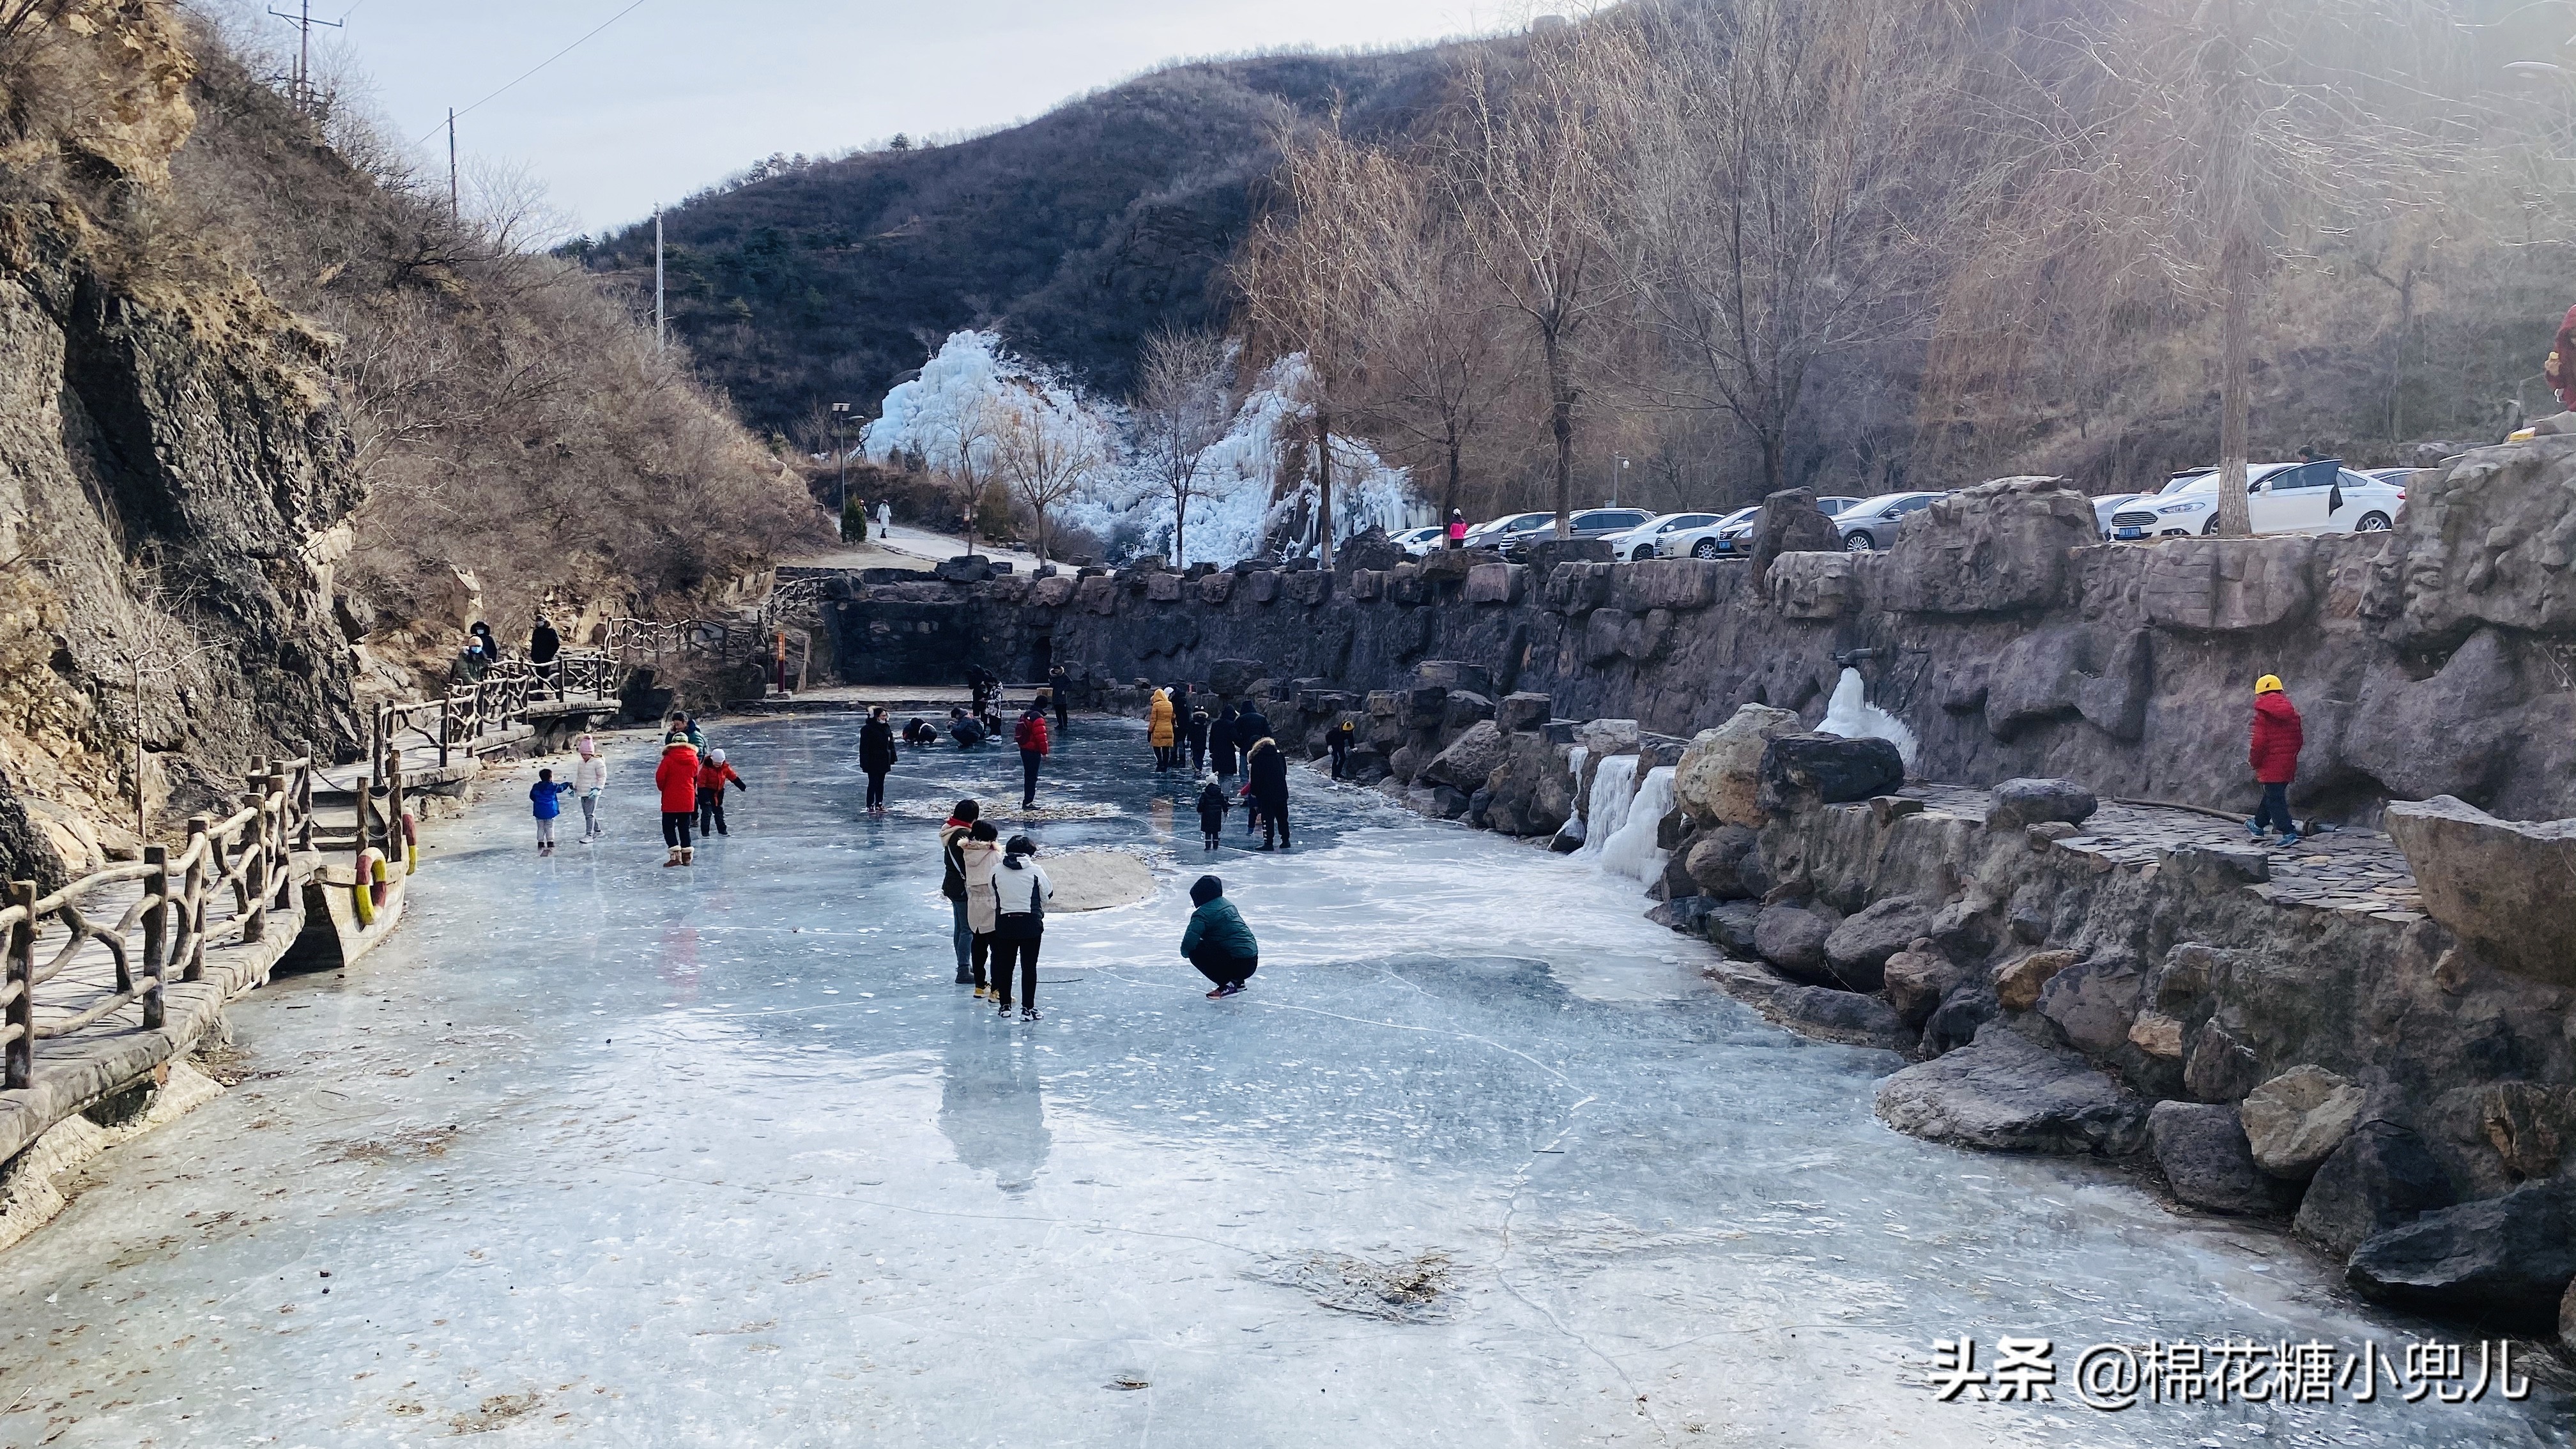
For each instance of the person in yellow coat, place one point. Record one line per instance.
(1159, 730)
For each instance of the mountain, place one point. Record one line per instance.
(1077, 233)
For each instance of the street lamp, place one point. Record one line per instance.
(840, 415)
(1618, 479)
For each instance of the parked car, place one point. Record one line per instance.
(1590, 523)
(1873, 522)
(2319, 497)
(1639, 543)
(1490, 533)
(1706, 540)
(1421, 541)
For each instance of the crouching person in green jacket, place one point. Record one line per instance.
(1218, 942)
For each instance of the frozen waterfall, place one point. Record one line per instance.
(1632, 850)
(1850, 714)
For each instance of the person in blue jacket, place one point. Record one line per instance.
(1217, 941)
(547, 796)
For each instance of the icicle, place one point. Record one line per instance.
(1632, 851)
(1850, 714)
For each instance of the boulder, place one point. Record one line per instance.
(1814, 585)
(2204, 1156)
(1371, 549)
(1789, 523)
(2220, 1068)
(2380, 1177)
(971, 568)
(1445, 674)
(1686, 914)
(2567, 1322)
(1917, 978)
(1730, 927)
(1545, 554)
(1792, 938)
(1719, 778)
(1467, 762)
(1307, 586)
(2018, 983)
(1163, 588)
(1576, 589)
(1054, 591)
(2298, 1117)
(1716, 859)
(2000, 547)
(2504, 1261)
(1262, 585)
(1841, 1016)
(1231, 677)
(2029, 802)
(2007, 1093)
(1497, 583)
(1961, 1015)
(1464, 707)
(1524, 711)
(1858, 949)
(2500, 883)
(2529, 1125)
(1801, 771)
(2094, 1002)
(2157, 1035)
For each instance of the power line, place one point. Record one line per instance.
(532, 70)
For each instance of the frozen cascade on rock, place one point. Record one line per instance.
(1613, 785)
(1572, 829)
(1632, 851)
(1850, 714)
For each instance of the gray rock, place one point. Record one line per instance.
(1842, 1016)
(2567, 1322)
(2529, 1125)
(1686, 914)
(2220, 1068)
(2297, 1118)
(1804, 770)
(2000, 547)
(2094, 1002)
(2381, 1177)
(971, 568)
(1792, 938)
(2505, 1261)
(1468, 761)
(2500, 883)
(1524, 711)
(1917, 978)
(1464, 707)
(2028, 802)
(1730, 927)
(1858, 949)
(1789, 523)
(2007, 1093)
(1231, 677)
(1715, 860)
(1547, 553)
(2203, 1153)
(1962, 1014)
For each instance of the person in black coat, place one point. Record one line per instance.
(1196, 726)
(1212, 807)
(1221, 741)
(1267, 766)
(1060, 694)
(1339, 740)
(876, 756)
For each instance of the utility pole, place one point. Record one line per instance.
(301, 88)
(840, 415)
(660, 318)
(454, 212)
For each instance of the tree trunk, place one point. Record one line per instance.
(2235, 519)
(1560, 423)
(1180, 526)
(1324, 486)
(1449, 484)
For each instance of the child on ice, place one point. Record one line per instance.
(713, 776)
(589, 778)
(547, 795)
(1212, 808)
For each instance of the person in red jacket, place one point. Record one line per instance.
(677, 778)
(713, 776)
(2273, 751)
(1032, 735)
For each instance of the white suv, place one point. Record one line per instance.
(2318, 497)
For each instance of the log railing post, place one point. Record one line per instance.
(282, 846)
(156, 931)
(304, 806)
(21, 1055)
(255, 871)
(200, 851)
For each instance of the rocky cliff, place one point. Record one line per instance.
(172, 468)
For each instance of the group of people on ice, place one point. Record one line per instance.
(1176, 728)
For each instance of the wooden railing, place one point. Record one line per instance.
(630, 642)
(500, 699)
(162, 934)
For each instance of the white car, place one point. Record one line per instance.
(1702, 541)
(1641, 542)
(2318, 497)
(1420, 542)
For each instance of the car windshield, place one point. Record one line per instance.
(1868, 506)
(2206, 480)
(1739, 517)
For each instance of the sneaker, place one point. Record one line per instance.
(2289, 838)
(1213, 995)
(982, 992)
(965, 977)
(1005, 1010)
(1028, 1013)
(2254, 831)
(1231, 988)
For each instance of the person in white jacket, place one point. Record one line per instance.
(885, 519)
(1020, 893)
(589, 777)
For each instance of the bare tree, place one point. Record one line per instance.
(1182, 408)
(964, 454)
(2184, 151)
(1048, 446)
(1529, 165)
(1790, 180)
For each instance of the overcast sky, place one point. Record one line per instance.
(676, 94)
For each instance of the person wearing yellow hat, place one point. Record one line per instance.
(2273, 751)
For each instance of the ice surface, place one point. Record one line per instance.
(599, 1153)
(1850, 714)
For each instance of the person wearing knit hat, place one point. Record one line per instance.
(589, 778)
(2273, 751)
(713, 776)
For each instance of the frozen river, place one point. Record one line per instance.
(595, 1152)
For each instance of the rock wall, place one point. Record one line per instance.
(172, 472)
(2434, 659)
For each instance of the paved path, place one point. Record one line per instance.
(2346, 870)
